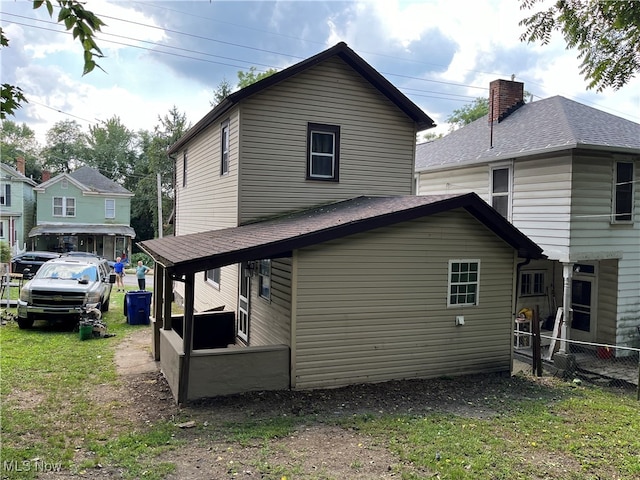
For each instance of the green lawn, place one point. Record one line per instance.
(51, 407)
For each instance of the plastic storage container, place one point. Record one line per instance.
(137, 307)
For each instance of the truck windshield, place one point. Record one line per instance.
(65, 271)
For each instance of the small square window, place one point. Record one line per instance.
(532, 283)
(213, 277)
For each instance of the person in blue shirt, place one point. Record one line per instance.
(141, 271)
(118, 268)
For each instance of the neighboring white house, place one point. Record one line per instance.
(566, 175)
(295, 212)
(17, 205)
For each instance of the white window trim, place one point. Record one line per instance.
(477, 282)
(509, 194)
(532, 274)
(224, 149)
(614, 191)
(262, 277)
(107, 209)
(65, 201)
(211, 281)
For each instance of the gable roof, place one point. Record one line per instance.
(89, 180)
(545, 126)
(279, 236)
(15, 175)
(341, 50)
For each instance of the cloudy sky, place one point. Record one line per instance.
(158, 54)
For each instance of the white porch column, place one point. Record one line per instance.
(567, 275)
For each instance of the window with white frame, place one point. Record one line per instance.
(109, 208)
(623, 192)
(213, 277)
(532, 283)
(64, 207)
(264, 276)
(5, 194)
(224, 148)
(184, 168)
(464, 282)
(501, 190)
(2, 229)
(323, 152)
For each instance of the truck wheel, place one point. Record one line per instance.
(104, 306)
(24, 323)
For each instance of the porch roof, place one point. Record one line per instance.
(276, 237)
(82, 229)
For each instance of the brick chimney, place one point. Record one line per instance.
(505, 96)
(20, 164)
(46, 175)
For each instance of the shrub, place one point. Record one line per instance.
(5, 252)
(146, 259)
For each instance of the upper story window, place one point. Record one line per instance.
(623, 192)
(323, 152)
(184, 169)
(264, 274)
(64, 207)
(5, 194)
(213, 277)
(224, 149)
(464, 282)
(109, 208)
(501, 190)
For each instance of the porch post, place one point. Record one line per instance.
(168, 300)
(187, 337)
(567, 275)
(158, 301)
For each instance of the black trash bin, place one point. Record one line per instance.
(137, 307)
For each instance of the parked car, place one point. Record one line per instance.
(62, 287)
(31, 260)
(87, 254)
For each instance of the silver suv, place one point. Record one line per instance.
(62, 286)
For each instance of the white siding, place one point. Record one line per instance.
(377, 142)
(384, 315)
(471, 179)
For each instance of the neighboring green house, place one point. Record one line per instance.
(17, 205)
(83, 211)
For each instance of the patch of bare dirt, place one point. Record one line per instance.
(316, 449)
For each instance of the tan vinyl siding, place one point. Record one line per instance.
(207, 296)
(270, 322)
(209, 200)
(386, 317)
(377, 142)
(607, 294)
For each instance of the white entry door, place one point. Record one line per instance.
(583, 294)
(243, 303)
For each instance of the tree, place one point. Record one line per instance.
(83, 25)
(606, 34)
(20, 141)
(66, 147)
(111, 149)
(468, 113)
(223, 90)
(248, 78)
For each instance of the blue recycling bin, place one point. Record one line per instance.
(137, 307)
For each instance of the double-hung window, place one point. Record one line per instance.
(109, 208)
(184, 169)
(323, 152)
(532, 283)
(5, 194)
(623, 192)
(224, 149)
(464, 282)
(264, 274)
(501, 190)
(64, 207)
(213, 277)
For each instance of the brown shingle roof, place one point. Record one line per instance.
(276, 237)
